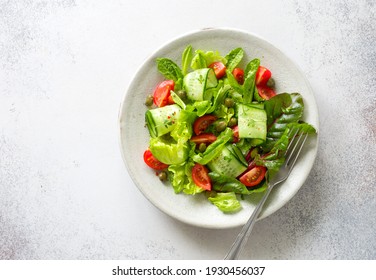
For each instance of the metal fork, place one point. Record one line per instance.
(292, 152)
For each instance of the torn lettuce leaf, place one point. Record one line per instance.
(226, 202)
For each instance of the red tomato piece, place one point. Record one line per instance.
(170, 101)
(200, 177)
(235, 130)
(254, 176)
(263, 74)
(202, 123)
(265, 92)
(219, 69)
(162, 93)
(204, 138)
(152, 162)
(238, 75)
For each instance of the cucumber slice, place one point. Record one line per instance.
(198, 81)
(162, 120)
(251, 122)
(227, 163)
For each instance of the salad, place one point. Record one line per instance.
(217, 126)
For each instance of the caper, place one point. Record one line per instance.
(202, 147)
(229, 102)
(232, 122)
(270, 83)
(149, 100)
(182, 94)
(220, 126)
(162, 175)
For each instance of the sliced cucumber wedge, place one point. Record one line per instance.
(198, 81)
(162, 120)
(251, 122)
(227, 163)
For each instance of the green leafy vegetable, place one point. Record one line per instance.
(249, 80)
(169, 151)
(281, 110)
(233, 82)
(169, 69)
(186, 58)
(233, 58)
(198, 61)
(181, 179)
(226, 202)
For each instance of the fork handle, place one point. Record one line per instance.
(243, 236)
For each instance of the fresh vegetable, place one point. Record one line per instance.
(200, 176)
(226, 201)
(265, 92)
(162, 120)
(262, 76)
(152, 162)
(204, 138)
(238, 75)
(162, 93)
(219, 69)
(254, 176)
(202, 123)
(218, 129)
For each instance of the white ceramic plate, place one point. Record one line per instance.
(134, 137)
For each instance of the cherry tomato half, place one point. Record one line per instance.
(254, 176)
(235, 131)
(265, 92)
(202, 123)
(238, 75)
(162, 93)
(152, 162)
(206, 138)
(200, 177)
(219, 69)
(263, 74)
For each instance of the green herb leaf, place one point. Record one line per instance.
(169, 69)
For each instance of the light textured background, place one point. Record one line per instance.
(64, 190)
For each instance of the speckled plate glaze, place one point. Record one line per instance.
(134, 137)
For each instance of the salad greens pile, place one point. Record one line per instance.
(218, 129)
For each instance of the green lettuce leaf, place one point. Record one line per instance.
(186, 58)
(249, 80)
(181, 180)
(230, 80)
(233, 58)
(169, 69)
(203, 59)
(168, 151)
(202, 107)
(226, 202)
